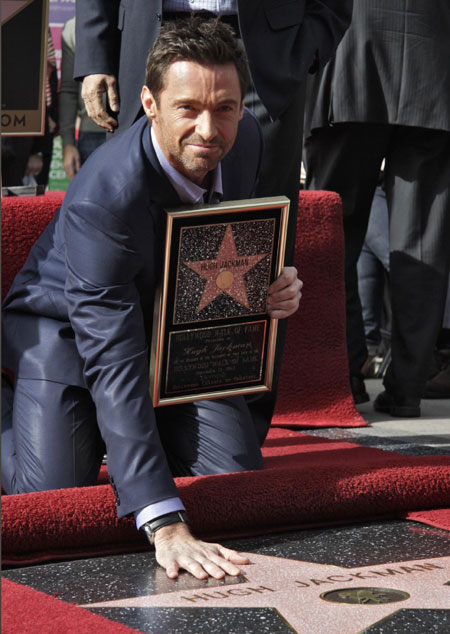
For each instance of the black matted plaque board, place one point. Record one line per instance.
(24, 37)
(212, 335)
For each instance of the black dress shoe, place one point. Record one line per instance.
(408, 407)
(358, 390)
(439, 385)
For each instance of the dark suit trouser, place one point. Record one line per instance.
(50, 437)
(279, 176)
(346, 158)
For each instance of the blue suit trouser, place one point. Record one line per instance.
(51, 440)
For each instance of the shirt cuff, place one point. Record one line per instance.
(152, 511)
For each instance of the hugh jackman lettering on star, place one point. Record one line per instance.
(212, 335)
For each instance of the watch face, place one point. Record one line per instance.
(148, 531)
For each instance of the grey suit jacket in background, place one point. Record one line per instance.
(281, 38)
(392, 67)
(80, 311)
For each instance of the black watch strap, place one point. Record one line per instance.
(151, 527)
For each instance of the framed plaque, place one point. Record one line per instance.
(24, 66)
(212, 335)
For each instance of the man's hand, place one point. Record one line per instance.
(176, 548)
(284, 294)
(71, 160)
(92, 90)
(35, 164)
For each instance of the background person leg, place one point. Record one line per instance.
(346, 158)
(418, 193)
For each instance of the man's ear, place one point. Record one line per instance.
(148, 102)
(241, 112)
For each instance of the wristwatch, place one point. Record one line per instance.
(151, 527)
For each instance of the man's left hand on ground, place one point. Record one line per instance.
(284, 294)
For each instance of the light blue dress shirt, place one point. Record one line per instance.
(220, 7)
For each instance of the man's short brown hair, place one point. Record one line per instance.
(194, 39)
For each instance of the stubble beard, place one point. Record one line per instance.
(198, 164)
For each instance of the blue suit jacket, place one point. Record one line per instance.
(80, 311)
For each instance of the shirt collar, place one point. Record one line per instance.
(188, 191)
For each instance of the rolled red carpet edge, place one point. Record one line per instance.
(307, 482)
(439, 518)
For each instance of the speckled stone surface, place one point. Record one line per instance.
(413, 622)
(280, 591)
(354, 545)
(199, 620)
(412, 446)
(98, 579)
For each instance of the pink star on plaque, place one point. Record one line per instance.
(313, 597)
(225, 274)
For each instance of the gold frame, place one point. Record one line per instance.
(272, 207)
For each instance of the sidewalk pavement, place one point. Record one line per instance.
(432, 429)
(427, 435)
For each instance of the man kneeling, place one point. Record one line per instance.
(78, 319)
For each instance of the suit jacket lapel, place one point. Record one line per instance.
(161, 190)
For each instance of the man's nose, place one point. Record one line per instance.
(206, 127)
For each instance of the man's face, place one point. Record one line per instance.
(197, 116)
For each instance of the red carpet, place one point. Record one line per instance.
(314, 389)
(439, 518)
(23, 220)
(27, 611)
(307, 481)
(314, 385)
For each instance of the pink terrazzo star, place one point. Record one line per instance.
(225, 273)
(294, 589)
